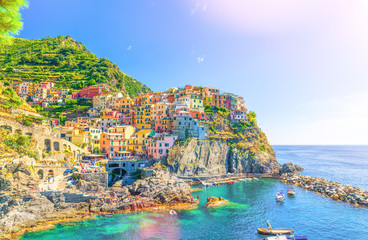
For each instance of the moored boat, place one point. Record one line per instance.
(280, 196)
(287, 237)
(291, 192)
(274, 231)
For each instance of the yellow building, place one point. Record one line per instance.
(31, 88)
(196, 102)
(138, 143)
(40, 93)
(53, 92)
(208, 101)
(94, 135)
(143, 117)
(124, 104)
(80, 138)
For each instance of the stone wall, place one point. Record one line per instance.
(44, 170)
(43, 135)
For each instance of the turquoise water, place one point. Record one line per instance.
(254, 203)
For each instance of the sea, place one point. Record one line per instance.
(253, 203)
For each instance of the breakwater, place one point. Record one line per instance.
(334, 190)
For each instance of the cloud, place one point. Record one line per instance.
(199, 6)
(129, 48)
(200, 59)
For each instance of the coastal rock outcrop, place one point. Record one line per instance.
(163, 188)
(24, 208)
(216, 202)
(20, 202)
(334, 190)
(205, 157)
(290, 168)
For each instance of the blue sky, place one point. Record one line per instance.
(300, 65)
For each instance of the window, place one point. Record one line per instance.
(166, 145)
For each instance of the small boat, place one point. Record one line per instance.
(274, 231)
(291, 192)
(173, 213)
(205, 184)
(280, 197)
(287, 237)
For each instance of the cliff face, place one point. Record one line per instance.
(205, 157)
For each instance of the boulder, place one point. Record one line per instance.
(288, 168)
(163, 188)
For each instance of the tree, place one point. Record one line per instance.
(252, 117)
(10, 19)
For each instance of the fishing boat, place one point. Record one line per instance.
(291, 192)
(274, 231)
(287, 237)
(172, 213)
(280, 197)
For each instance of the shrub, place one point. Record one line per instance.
(22, 140)
(27, 123)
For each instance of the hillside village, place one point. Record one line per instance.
(146, 126)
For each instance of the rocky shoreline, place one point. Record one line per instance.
(333, 190)
(24, 208)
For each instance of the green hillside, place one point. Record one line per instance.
(64, 61)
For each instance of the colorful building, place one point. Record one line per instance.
(159, 145)
(114, 142)
(138, 143)
(89, 92)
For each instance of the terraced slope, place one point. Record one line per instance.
(64, 61)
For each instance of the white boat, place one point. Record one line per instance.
(278, 237)
(280, 197)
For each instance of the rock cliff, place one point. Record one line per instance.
(205, 157)
(23, 207)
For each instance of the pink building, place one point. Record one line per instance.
(46, 85)
(115, 114)
(159, 145)
(238, 116)
(88, 92)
